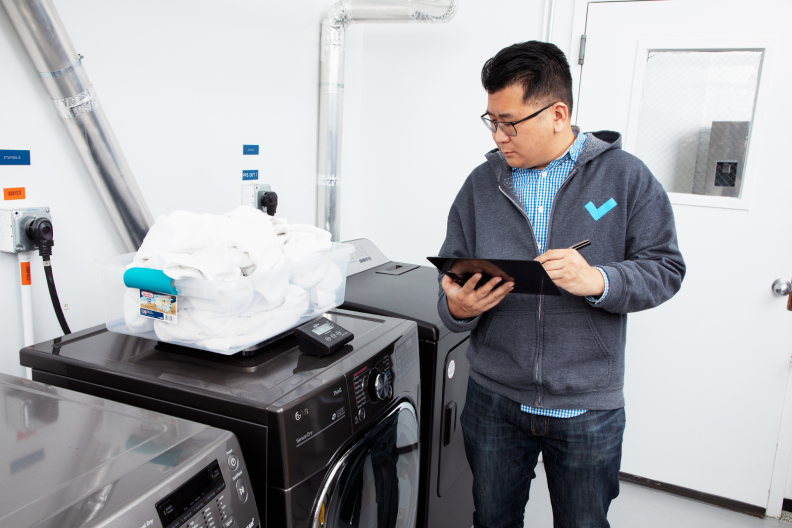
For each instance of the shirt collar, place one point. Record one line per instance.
(572, 153)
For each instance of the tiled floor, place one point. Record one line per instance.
(641, 507)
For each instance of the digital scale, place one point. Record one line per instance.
(321, 337)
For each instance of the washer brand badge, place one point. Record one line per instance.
(451, 369)
(337, 392)
(300, 414)
(147, 523)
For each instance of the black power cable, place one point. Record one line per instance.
(40, 231)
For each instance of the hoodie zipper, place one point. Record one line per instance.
(536, 245)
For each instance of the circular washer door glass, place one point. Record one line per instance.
(378, 485)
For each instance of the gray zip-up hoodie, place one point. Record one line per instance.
(564, 352)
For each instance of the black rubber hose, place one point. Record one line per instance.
(54, 296)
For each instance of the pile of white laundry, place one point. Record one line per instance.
(256, 277)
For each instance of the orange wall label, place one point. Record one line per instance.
(25, 273)
(14, 193)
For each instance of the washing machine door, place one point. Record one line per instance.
(375, 483)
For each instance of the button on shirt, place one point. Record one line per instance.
(536, 189)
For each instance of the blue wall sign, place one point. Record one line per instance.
(250, 175)
(250, 150)
(21, 157)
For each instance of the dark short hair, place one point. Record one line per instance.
(541, 68)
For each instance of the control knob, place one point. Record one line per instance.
(377, 385)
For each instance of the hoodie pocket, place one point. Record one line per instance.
(506, 350)
(574, 357)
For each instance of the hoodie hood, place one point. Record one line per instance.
(596, 144)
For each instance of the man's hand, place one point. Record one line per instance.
(570, 271)
(466, 301)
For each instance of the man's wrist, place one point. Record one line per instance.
(601, 297)
(597, 279)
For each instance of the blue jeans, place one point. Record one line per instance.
(582, 456)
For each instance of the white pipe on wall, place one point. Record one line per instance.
(27, 301)
(331, 85)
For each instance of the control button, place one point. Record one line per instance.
(233, 462)
(242, 491)
(228, 522)
(362, 414)
(390, 392)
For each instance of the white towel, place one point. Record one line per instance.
(219, 332)
(306, 242)
(242, 243)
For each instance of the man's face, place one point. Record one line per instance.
(531, 146)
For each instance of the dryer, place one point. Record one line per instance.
(329, 442)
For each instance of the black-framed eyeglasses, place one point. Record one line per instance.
(508, 128)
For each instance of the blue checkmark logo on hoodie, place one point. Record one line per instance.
(598, 212)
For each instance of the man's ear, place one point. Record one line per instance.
(560, 114)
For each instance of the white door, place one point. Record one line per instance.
(700, 90)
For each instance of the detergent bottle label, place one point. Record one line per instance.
(160, 306)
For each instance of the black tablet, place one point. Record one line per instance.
(529, 276)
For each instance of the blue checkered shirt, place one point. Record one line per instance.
(536, 189)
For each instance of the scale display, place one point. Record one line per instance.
(322, 329)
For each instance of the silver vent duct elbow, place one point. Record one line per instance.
(60, 68)
(331, 85)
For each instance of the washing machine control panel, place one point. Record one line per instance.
(375, 382)
(315, 426)
(218, 495)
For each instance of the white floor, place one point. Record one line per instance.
(638, 506)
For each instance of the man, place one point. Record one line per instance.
(547, 372)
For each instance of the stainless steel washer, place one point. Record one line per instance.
(69, 460)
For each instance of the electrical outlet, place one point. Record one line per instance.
(13, 222)
(252, 194)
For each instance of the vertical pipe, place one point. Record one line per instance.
(547, 23)
(331, 86)
(27, 302)
(331, 103)
(60, 68)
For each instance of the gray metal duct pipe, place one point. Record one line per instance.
(60, 68)
(331, 85)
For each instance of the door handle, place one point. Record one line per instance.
(783, 287)
(450, 423)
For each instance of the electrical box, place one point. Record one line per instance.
(13, 222)
(254, 194)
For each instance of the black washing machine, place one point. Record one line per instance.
(329, 442)
(375, 285)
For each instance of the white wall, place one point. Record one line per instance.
(186, 83)
(419, 130)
